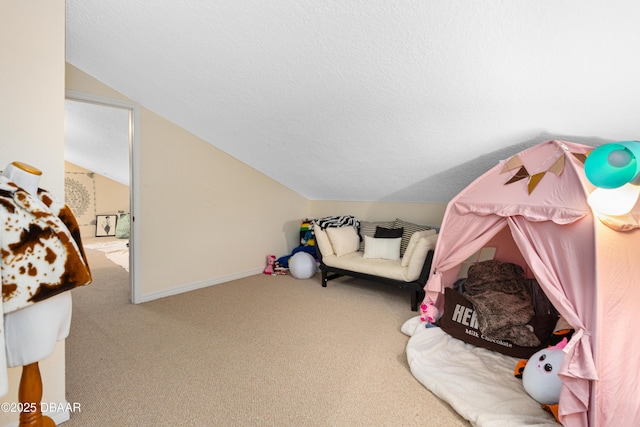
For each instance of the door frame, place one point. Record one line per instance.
(134, 174)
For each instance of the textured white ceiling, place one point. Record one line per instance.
(370, 99)
(97, 138)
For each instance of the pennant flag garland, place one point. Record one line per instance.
(558, 166)
(516, 162)
(581, 157)
(521, 174)
(534, 180)
(512, 163)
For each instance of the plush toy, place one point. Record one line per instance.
(540, 376)
(271, 260)
(307, 236)
(279, 270)
(430, 313)
(308, 239)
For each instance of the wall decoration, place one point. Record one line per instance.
(533, 179)
(106, 225)
(80, 196)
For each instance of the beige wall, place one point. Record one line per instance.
(211, 217)
(32, 82)
(32, 38)
(203, 216)
(111, 196)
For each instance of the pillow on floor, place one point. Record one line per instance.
(123, 226)
(459, 320)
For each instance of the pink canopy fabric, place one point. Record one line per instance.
(533, 209)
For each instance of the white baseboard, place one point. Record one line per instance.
(197, 285)
(59, 417)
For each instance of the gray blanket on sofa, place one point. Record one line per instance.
(503, 304)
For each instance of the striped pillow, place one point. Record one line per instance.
(409, 229)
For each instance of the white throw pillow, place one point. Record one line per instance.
(382, 248)
(368, 228)
(344, 240)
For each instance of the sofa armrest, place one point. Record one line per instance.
(413, 242)
(323, 244)
(417, 260)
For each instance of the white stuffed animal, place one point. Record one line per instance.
(540, 376)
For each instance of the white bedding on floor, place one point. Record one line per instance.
(115, 250)
(478, 383)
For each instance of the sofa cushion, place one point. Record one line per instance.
(376, 266)
(409, 229)
(413, 269)
(322, 241)
(415, 238)
(386, 248)
(391, 269)
(368, 228)
(344, 240)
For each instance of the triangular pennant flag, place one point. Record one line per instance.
(535, 179)
(581, 157)
(521, 174)
(512, 163)
(558, 166)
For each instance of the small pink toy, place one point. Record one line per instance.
(271, 260)
(430, 313)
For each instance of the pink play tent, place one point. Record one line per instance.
(533, 209)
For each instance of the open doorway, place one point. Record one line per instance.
(100, 142)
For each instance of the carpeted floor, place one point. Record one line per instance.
(261, 351)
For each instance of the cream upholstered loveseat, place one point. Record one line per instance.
(355, 251)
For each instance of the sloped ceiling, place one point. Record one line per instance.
(97, 138)
(376, 100)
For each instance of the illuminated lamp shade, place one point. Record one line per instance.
(613, 165)
(615, 169)
(616, 201)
